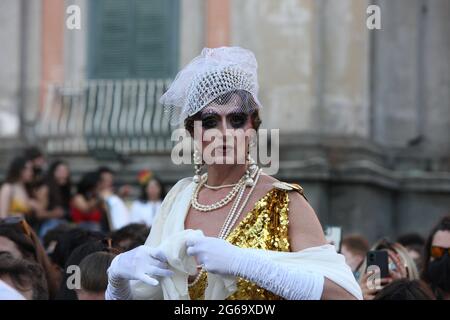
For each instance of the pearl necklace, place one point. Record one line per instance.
(231, 219)
(219, 204)
(234, 213)
(219, 187)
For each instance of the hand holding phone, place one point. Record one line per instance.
(380, 259)
(376, 273)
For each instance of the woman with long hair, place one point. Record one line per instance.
(436, 269)
(401, 266)
(232, 231)
(60, 186)
(14, 197)
(54, 195)
(19, 239)
(145, 208)
(86, 207)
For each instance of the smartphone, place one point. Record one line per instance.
(333, 234)
(379, 258)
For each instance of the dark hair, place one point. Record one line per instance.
(75, 258)
(356, 244)
(411, 239)
(404, 289)
(68, 241)
(31, 248)
(88, 183)
(23, 243)
(33, 189)
(32, 153)
(59, 196)
(442, 225)
(135, 234)
(25, 275)
(36, 184)
(104, 169)
(93, 267)
(414, 242)
(143, 197)
(54, 235)
(248, 104)
(15, 169)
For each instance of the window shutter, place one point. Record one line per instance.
(133, 39)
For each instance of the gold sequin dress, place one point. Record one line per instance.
(264, 227)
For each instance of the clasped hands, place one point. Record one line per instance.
(149, 264)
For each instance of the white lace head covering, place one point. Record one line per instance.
(212, 74)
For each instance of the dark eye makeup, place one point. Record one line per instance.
(210, 120)
(236, 119)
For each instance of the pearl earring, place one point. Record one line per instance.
(251, 167)
(197, 165)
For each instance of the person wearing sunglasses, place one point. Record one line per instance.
(15, 238)
(19, 239)
(436, 271)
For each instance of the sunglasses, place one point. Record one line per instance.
(438, 252)
(17, 222)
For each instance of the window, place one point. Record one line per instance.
(133, 39)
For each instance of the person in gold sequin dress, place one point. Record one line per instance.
(264, 227)
(246, 217)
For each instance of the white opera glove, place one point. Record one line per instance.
(220, 257)
(142, 263)
(213, 254)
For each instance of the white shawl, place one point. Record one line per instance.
(168, 232)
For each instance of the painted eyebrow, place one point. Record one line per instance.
(237, 109)
(209, 114)
(237, 113)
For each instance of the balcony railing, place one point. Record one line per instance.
(105, 118)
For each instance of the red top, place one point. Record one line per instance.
(95, 215)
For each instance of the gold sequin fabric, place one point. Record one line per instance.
(265, 227)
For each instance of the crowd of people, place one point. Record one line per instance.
(48, 226)
(419, 268)
(47, 197)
